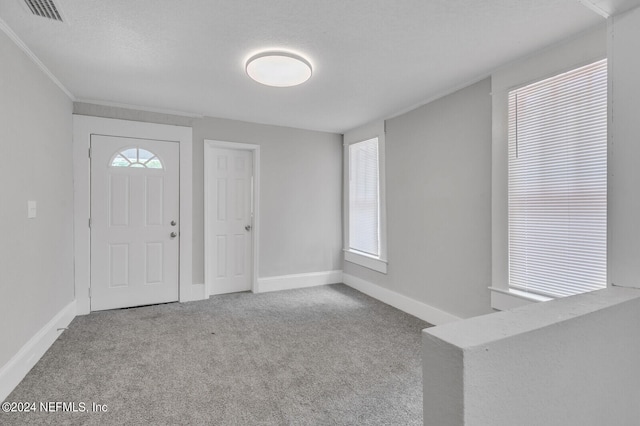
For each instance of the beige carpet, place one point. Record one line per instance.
(319, 356)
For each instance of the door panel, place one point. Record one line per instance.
(118, 265)
(119, 200)
(134, 211)
(154, 208)
(230, 234)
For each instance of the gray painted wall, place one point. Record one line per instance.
(36, 255)
(301, 189)
(438, 186)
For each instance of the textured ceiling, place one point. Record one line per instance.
(371, 58)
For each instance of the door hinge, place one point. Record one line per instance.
(89, 152)
(89, 222)
(89, 292)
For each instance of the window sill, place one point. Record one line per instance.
(504, 299)
(366, 261)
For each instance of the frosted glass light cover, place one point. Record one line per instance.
(278, 69)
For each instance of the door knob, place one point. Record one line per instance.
(247, 228)
(173, 223)
(173, 235)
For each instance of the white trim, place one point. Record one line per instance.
(595, 8)
(255, 149)
(185, 136)
(503, 300)
(14, 37)
(140, 108)
(83, 127)
(406, 304)
(198, 292)
(12, 373)
(289, 282)
(369, 262)
(231, 145)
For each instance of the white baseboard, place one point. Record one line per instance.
(289, 282)
(12, 373)
(197, 293)
(411, 306)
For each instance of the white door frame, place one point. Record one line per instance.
(83, 128)
(208, 268)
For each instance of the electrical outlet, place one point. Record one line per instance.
(31, 209)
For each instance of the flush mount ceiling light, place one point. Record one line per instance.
(278, 69)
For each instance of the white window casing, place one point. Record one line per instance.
(365, 243)
(573, 53)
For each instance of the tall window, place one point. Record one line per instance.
(364, 201)
(558, 183)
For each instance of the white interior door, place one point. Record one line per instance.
(134, 222)
(229, 209)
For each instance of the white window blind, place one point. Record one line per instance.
(364, 206)
(558, 183)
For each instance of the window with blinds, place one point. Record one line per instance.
(364, 205)
(558, 183)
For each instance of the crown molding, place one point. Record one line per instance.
(595, 8)
(139, 108)
(14, 37)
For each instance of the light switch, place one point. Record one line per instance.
(31, 209)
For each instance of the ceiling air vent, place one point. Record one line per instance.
(44, 8)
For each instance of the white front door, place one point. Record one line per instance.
(229, 210)
(134, 222)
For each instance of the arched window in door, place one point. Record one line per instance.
(136, 157)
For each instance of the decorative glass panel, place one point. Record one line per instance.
(136, 157)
